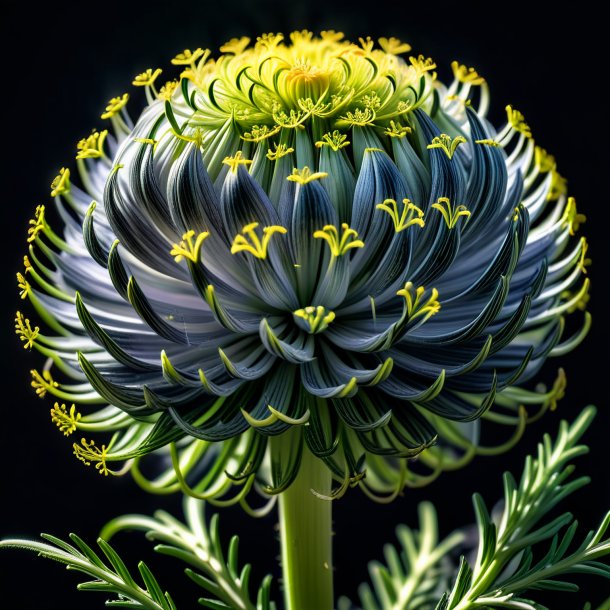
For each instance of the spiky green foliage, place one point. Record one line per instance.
(197, 544)
(114, 578)
(519, 553)
(416, 576)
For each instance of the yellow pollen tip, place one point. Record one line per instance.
(305, 175)
(24, 331)
(464, 74)
(92, 147)
(166, 92)
(583, 261)
(450, 214)
(61, 183)
(43, 383)
(396, 130)
(235, 161)
(394, 46)
(188, 248)
(339, 245)
(572, 218)
(544, 161)
(235, 45)
(146, 78)
(281, 150)
(417, 306)
(422, 64)
(88, 453)
(37, 224)
(559, 186)
(517, 121)
(488, 142)
(358, 118)
(23, 284)
(188, 57)
(316, 318)
(249, 241)
(335, 140)
(447, 144)
(150, 141)
(115, 105)
(410, 215)
(65, 420)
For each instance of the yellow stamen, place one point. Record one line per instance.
(92, 147)
(146, 78)
(305, 175)
(450, 214)
(339, 245)
(396, 130)
(235, 45)
(24, 285)
(317, 318)
(572, 218)
(43, 383)
(65, 420)
(250, 242)
(558, 391)
(447, 144)
(281, 150)
(187, 249)
(394, 46)
(583, 261)
(423, 64)
(166, 92)
(115, 105)
(371, 100)
(37, 224)
(416, 306)
(332, 36)
(25, 332)
(150, 141)
(336, 140)
(543, 160)
(456, 98)
(235, 161)
(258, 133)
(359, 117)
(269, 41)
(87, 453)
(464, 74)
(367, 44)
(488, 142)
(27, 264)
(410, 215)
(188, 57)
(580, 300)
(559, 186)
(61, 183)
(517, 121)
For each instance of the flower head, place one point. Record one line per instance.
(306, 239)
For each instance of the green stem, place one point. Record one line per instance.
(305, 530)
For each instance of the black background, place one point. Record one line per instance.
(60, 65)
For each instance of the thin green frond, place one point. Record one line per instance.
(114, 578)
(197, 544)
(505, 569)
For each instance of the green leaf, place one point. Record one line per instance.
(494, 581)
(115, 579)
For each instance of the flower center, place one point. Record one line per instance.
(305, 80)
(313, 319)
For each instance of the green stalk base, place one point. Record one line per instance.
(305, 530)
